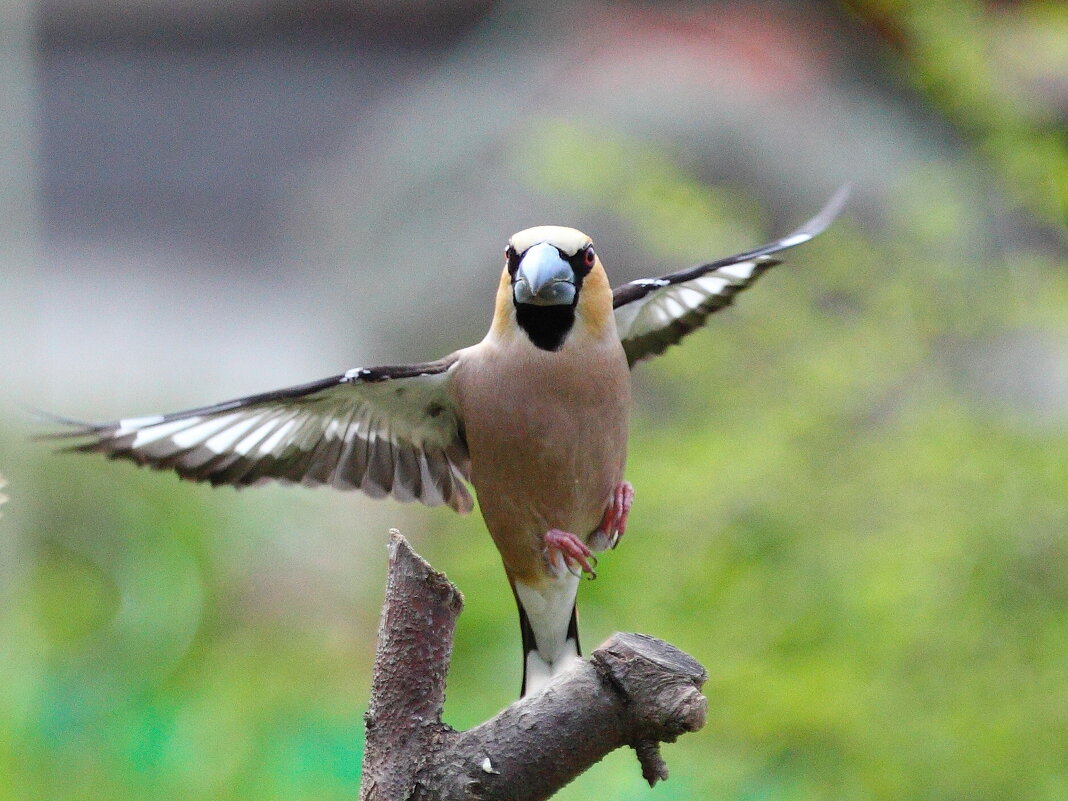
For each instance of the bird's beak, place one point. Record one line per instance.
(544, 278)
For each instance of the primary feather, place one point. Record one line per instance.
(386, 431)
(654, 313)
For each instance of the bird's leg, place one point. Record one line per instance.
(614, 522)
(563, 550)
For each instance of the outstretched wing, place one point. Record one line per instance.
(383, 430)
(655, 313)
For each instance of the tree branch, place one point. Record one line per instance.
(635, 690)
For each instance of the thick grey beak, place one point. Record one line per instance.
(543, 278)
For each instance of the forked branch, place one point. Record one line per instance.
(635, 690)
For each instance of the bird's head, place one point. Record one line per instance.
(553, 285)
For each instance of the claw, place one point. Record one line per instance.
(573, 553)
(614, 522)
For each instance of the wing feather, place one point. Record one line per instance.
(653, 314)
(383, 430)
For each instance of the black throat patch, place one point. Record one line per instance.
(547, 326)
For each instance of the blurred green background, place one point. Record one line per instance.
(851, 488)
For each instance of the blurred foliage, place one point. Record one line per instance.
(129, 667)
(845, 510)
(1000, 72)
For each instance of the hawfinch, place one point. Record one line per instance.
(534, 417)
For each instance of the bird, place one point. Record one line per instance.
(534, 418)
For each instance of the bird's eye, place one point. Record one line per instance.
(511, 259)
(590, 256)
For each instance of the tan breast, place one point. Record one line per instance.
(547, 432)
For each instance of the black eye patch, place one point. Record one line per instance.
(511, 258)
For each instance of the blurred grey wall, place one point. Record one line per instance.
(238, 196)
(18, 181)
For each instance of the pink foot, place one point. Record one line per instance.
(614, 522)
(565, 551)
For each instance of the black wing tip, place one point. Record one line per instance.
(635, 290)
(72, 427)
(827, 215)
(808, 231)
(51, 418)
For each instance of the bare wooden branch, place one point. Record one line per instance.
(635, 691)
(408, 688)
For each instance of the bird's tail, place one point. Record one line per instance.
(537, 669)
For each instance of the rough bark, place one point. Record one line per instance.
(635, 690)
